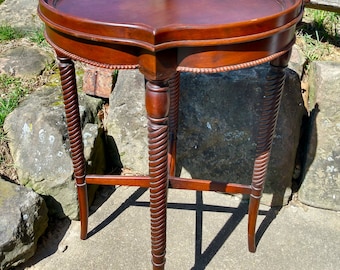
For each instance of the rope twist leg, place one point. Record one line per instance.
(270, 109)
(173, 120)
(70, 96)
(157, 105)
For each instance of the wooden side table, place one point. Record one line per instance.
(163, 38)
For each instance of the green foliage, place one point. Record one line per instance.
(321, 25)
(11, 93)
(38, 37)
(325, 22)
(314, 48)
(319, 32)
(9, 33)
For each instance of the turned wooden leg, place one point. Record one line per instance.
(69, 86)
(173, 121)
(157, 102)
(268, 119)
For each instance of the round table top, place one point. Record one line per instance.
(161, 24)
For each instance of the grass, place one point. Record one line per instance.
(8, 33)
(326, 23)
(12, 91)
(38, 37)
(319, 34)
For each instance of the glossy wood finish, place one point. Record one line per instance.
(69, 86)
(163, 38)
(270, 109)
(131, 34)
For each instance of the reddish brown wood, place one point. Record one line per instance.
(173, 121)
(69, 86)
(163, 38)
(168, 24)
(174, 182)
(122, 180)
(208, 185)
(208, 35)
(157, 102)
(270, 110)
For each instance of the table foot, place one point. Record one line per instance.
(268, 119)
(70, 96)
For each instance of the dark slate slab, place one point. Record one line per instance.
(218, 117)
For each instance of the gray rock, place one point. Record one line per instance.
(94, 148)
(20, 13)
(23, 220)
(218, 116)
(39, 145)
(24, 62)
(126, 122)
(330, 5)
(218, 125)
(297, 60)
(321, 183)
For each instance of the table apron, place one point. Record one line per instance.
(153, 65)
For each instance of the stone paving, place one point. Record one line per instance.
(206, 231)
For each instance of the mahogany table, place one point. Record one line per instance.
(163, 38)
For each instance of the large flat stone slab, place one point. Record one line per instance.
(20, 13)
(40, 148)
(27, 62)
(321, 183)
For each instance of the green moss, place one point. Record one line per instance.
(53, 80)
(58, 103)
